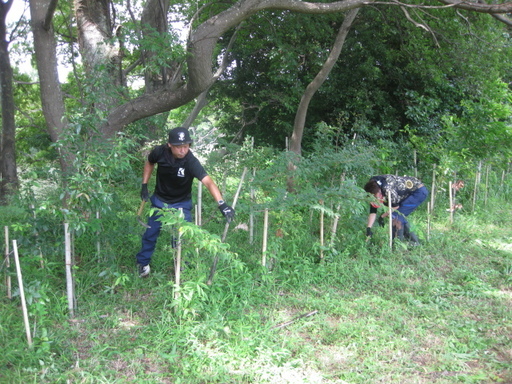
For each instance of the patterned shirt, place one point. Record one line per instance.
(400, 187)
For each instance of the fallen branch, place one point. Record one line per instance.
(287, 323)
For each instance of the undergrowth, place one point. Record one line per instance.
(345, 311)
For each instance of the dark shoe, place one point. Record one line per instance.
(144, 270)
(399, 234)
(413, 239)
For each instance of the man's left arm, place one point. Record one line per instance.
(227, 211)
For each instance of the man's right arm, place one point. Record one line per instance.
(146, 175)
(148, 170)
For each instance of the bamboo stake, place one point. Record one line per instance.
(177, 262)
(199, 208)
(450, 193)
(390, 221)
(235, 199)
(69, 273)
(432, 193)
(7, 263)
(251, 216)
(196, 219)
(415, 164)
(321, 230)
(428, 220)
(486, 184)
(41, 260)
(265, 239)
(22, 293)
(477, 181)
(98, 243)
(336, 215)
(334, 226)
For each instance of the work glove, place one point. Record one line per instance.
(369, 232)
(227, 211)
(144, 193)
(381, 221)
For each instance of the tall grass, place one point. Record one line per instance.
(440, 312)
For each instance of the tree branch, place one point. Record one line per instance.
(49, 14)
(503, 19)
(419, 25)
(480, 6)
(203, 41)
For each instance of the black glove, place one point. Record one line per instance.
(369, 232)
(381, 221)
(144, 193)
(227, 211)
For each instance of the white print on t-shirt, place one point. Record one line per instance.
(181, 172)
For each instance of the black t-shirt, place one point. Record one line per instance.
(174, 177)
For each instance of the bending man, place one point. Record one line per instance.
(407, 193)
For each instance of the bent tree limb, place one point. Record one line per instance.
(312, 88)
(235, 199)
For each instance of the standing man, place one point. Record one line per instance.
(176, 170)
(407, 193)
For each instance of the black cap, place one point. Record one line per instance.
(179, 136)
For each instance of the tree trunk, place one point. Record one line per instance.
(154, 20)
(52, 100)
(101, 58)
(300, 117)
(9, 179)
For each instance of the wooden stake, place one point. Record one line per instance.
(486, 184)
(177, 262)
(196, 218)
(415, 165)
(251, 216)
(265, 239)
(7, 263)
(98, 243)
(336, 215)
(41, 260)
(428, 220)
(450, 193)
(22, 293)
(477, 181)
(199, 208)
(235, 199)
(390, 221)
(334, 226)
(433, 191)
(69, 273)
(321, 230)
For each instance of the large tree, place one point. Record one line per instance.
(8, 172)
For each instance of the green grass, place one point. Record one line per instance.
(438, 313)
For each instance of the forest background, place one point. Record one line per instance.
(311, 98)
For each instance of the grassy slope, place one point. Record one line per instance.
(439, 313)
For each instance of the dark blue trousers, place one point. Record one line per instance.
(151, 235)
(410, 204)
